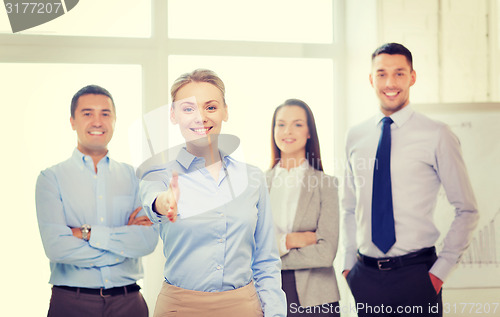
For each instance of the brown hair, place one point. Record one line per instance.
(199, 75)
(312, 146)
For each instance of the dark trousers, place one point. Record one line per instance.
(404, 291)
(292, 299)
(64, 303)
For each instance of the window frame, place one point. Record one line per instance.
(152, 55)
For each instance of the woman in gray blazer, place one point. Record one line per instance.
(304, 203)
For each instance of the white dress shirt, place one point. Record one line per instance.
(424, 155)
(285, 193)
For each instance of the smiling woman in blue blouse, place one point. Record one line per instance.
(214, 215)
(305, 207)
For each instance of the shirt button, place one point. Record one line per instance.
(100, 196)
(221, 240)
(106, 280)
(102, 219)
(121, 252)
(219, 267)
(98, 244)
(117, 260)
(95, 176)
(221, 214)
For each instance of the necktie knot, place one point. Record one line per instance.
(387, 121)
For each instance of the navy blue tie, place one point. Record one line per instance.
(383, 232)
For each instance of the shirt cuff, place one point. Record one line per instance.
(349, 261)
(441, 269)
(148, 206)
(282, 245)
(99, 237)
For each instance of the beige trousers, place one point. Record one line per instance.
(175, 301)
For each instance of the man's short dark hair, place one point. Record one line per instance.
(89, 90)
(394, 49)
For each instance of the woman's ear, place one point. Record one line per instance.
(226, 115)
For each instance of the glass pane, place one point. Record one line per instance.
(113, 18)
(294, 21)
(37, 134)
(254, 88)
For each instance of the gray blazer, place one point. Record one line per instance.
(318, 211)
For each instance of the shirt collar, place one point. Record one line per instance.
(187, 159)
(399, 117)
(83, 159)
(226, 158)
(299, 169)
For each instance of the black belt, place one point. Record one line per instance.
(103, 292)
(385, 264)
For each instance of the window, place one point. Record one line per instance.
(37, 134)
(265, 52)
(113, 18)
(294, 21)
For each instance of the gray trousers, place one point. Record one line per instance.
(64, 303)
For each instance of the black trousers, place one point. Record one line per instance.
(292, 299)
(404, 291)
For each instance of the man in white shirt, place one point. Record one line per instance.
(396, 163)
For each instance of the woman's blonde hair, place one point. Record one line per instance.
(199, 75)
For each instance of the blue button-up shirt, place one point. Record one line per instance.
(230, 242)
(71, 194)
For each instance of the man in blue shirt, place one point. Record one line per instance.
(91, 223)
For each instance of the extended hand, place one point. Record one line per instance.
(166, 202)
(297, 240)
(133, 220)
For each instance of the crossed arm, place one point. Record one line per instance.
(107, 245)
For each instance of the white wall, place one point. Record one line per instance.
(360, 41)
(455, 46)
